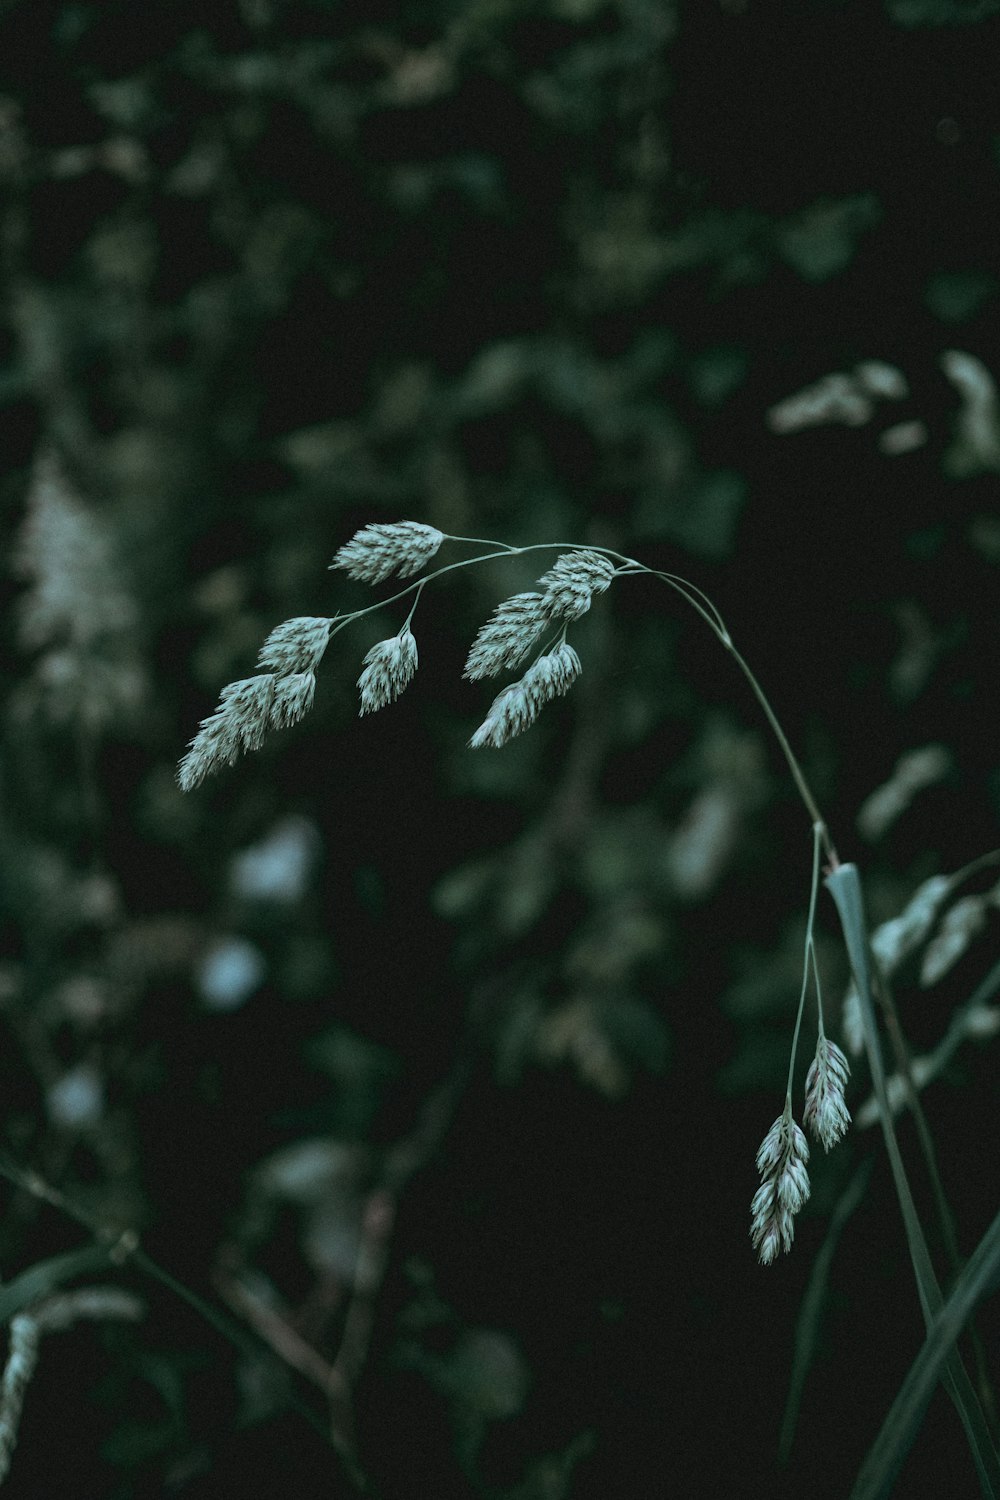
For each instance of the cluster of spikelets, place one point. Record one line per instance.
(534, 621)
(781, 1160)
(282, 690)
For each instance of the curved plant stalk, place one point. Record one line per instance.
(282, 693)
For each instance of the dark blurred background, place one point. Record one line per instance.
(441, 1073)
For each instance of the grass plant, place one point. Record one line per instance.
(533, 626)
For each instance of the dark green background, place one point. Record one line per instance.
(532, 271)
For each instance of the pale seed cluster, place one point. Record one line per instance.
(388, 667)
(519, 705)
(826, 1115)
(783, 1154)
(295, 646)
(246, 711)
(564, 593)
(272, 699)
(283, 688)
(781, 1162)
(376, 552)
(568, 587)
(508, 635)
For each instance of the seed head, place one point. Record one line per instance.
(552, 675)
(510, 713)
(376, 552)
(568, 587)
(781, 1162)
(507, 637)
(296, 645)
(826, 1115)
(520, 704)
(388, 667)
(293, 697)
(245, 710)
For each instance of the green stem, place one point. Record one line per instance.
(817, 834)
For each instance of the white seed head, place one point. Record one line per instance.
(388, 667)
(568, 587)
(507, 637)
(376, 552)
(552, 675)
(293, 697)
(826, 1115)
(244, 712)
(781, 1161)
(296, 645)
(510, 713)
(520, 704)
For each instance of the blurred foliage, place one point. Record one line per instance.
(442, 1074)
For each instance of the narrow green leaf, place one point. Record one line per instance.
(845, 888)
(979, 1277)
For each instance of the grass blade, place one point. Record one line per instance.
(845, 888)
(980, 1276)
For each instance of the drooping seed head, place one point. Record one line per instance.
(568, 587)
(826, 1115)
(510, 714)
(781, 1161)
(552, 675)
(295, 645)
(293, 697)
(519, 705)
(388, 667)
(507, 637)
(244, 712)
(376, 552)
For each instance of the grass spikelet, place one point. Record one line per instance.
(510, 714)
(293, 697)
(784, 1188)
(376, 552)
(245, 710)
(826, 1116)
(507, 637)
(570, 585)
(295, 645)
(519, 705)
(388, 667)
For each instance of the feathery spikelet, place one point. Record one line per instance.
(293, 697)
(510, 714)
(507, 637)
(826, 1115)
(552, 675)
(388, 668)
(376, 552)
(295, 645)
(568, 587)
(245, 710)
(781, 1162)
(520, 704)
